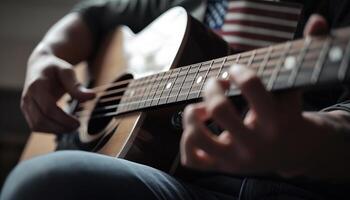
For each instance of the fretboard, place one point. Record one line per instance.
(312, 61)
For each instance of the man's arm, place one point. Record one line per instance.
(50, 74)
(72, 40)
(274, 137)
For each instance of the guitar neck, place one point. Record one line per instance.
(311, 61)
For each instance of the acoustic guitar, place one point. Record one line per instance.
(141, 89)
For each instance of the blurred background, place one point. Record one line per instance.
(22, 24)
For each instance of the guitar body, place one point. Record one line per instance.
(148, 137)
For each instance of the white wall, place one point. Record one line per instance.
(22, 25)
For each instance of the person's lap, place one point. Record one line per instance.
(78, 175)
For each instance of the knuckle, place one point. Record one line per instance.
(189, 112)
(189, 109)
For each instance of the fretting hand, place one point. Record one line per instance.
(275, 136)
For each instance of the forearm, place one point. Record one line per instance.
(69, 39)
(332, 160)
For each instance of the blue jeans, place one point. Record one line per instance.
(81, 175)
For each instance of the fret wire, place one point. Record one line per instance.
(237, 58)
(172, 85)
(293, 76)
(139, 90)
(251, 59)
(178, 81)
(158, 78)
(192, 92)
(278, 66)
(145, 88)
(344, 64)
(205, 79)
(320, 64)
(322, 58)
(162, 90)
(264, 77)
(157, 85)
(264, 63)
(128, 98)
(151, 90)
(222, 65)
(148, 89)
(177, 96)
(261, 51)
(191, 85)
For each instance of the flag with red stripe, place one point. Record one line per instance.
(250, 24)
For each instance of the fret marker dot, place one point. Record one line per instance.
(224, 75)
(168, 86)
(290, 62)
(335, 54)
(199, 79)
(132, 92)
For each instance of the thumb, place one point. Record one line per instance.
(317, 25)
(72, 86)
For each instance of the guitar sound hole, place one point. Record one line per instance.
(107, 105)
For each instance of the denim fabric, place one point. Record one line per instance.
(81, 175)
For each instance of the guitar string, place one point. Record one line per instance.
(188, 93)
(260, 51)
(178, 89)
(197, 92)
(233, 90)
(273, 58)
(103, 99)
(232, 57)
(104, 95)
(154, 91)
(178, 75)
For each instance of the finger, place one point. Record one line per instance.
(221, 109)
(41, 123)
(258, 98)
(317, 25)
(200, 160)
(49, 108)
(196, 134)
(71, 84)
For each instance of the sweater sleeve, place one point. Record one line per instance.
(102, 16)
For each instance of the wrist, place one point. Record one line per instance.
(327, 156)
(39, 62)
